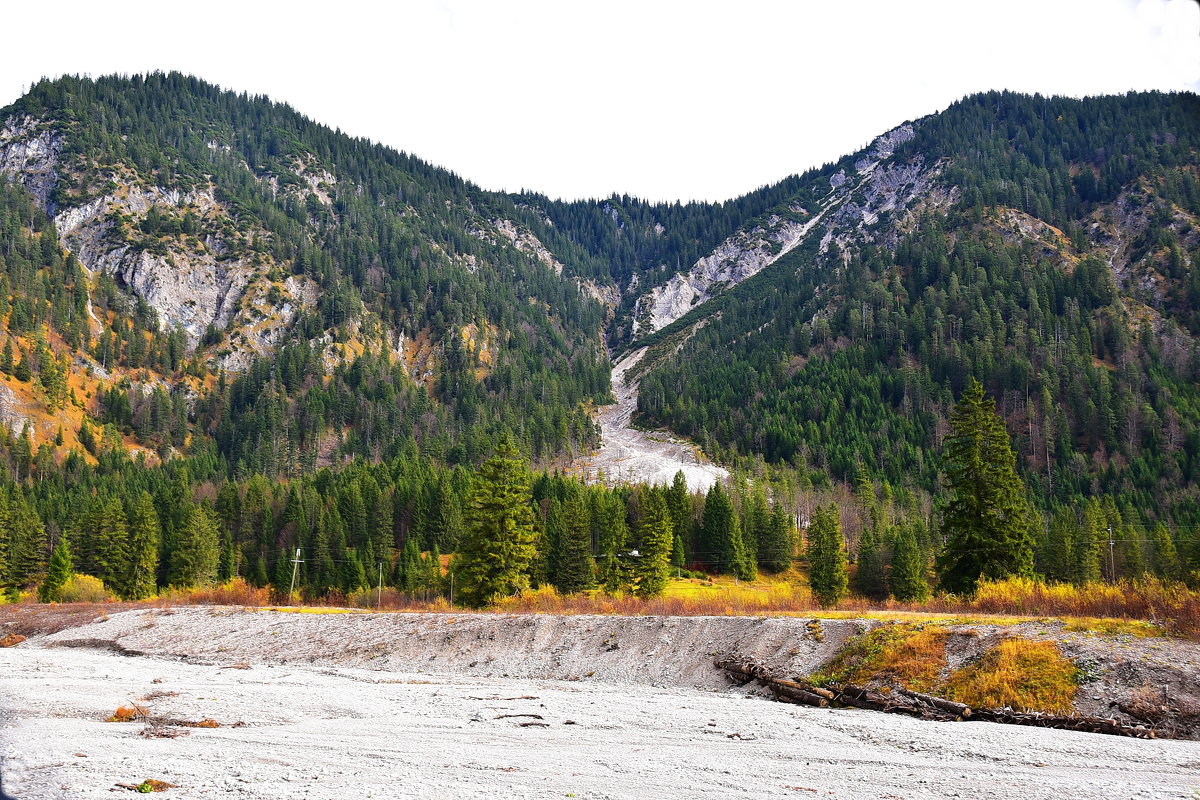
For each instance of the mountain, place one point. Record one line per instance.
(1049, 247)
(192, 271)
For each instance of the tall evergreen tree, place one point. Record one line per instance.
(650, 568)
(1086, 545)
(140, 580)
(194, 561)
(986, 518)
(499, 544)
(870, 564)
(827, 557)
(28, 544)
(111, 536)
(1166, 557)
(60, 572)
(775, 551)
(720, 539)
(907, 578)
(575, 568)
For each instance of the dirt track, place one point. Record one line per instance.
(392, 706)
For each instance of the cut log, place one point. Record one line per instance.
(926, 706)
(949, 706)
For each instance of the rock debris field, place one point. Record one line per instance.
(477, 705)
(629, 455)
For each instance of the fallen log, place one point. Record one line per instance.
(949, 706)
(925, 705)
(789, 691)
(1085, 724)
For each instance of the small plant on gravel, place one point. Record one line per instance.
(129, 713)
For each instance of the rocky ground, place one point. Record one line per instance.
(628, 455)
(427, 705)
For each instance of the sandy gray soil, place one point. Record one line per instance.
(392, 705)
(628, 455)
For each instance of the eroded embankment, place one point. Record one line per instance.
(1112, 671)
(657, 651)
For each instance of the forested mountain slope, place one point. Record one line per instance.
(186, 268)
(1049, 247)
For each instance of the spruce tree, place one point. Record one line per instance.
(575, 570)
(111, 536)
(61, 571)
(1086, 545)
(986, 518)
(650, 568)
(827, 557)
(679, 503)
(194, 560)
(907, 578)
(140, 580)
(28, 545)
(1166, 557)
(498, 548)
(869, 574)
(775, 551)
(615, 541)
(720, 539)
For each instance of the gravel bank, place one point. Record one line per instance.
(365, 705)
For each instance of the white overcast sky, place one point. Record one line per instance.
(664, 100)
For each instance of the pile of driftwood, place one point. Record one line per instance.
(916, 704)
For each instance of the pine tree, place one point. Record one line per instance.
(986, 517)
(1056, 555)
(615, 542)
(354, 576)
(679, 503)
(446, 520)
(827, 557)
(60, 572)
(1085, 545)
(140, 580)
(907, 578)
(498, 548)
(575, 568)
(1166, 557)
(28, 544)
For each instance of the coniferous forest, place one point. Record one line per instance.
(1034, 316)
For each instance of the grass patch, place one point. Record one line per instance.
(906, 655)
(1115, 627)
(1019, 673)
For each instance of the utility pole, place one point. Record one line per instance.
(1112, 568)
(379, 590)
(296, 562)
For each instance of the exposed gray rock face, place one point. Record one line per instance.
(854, 203)
(189, 289)
(11, 416)
(29, 152)
(737, 258)
(526, 242)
